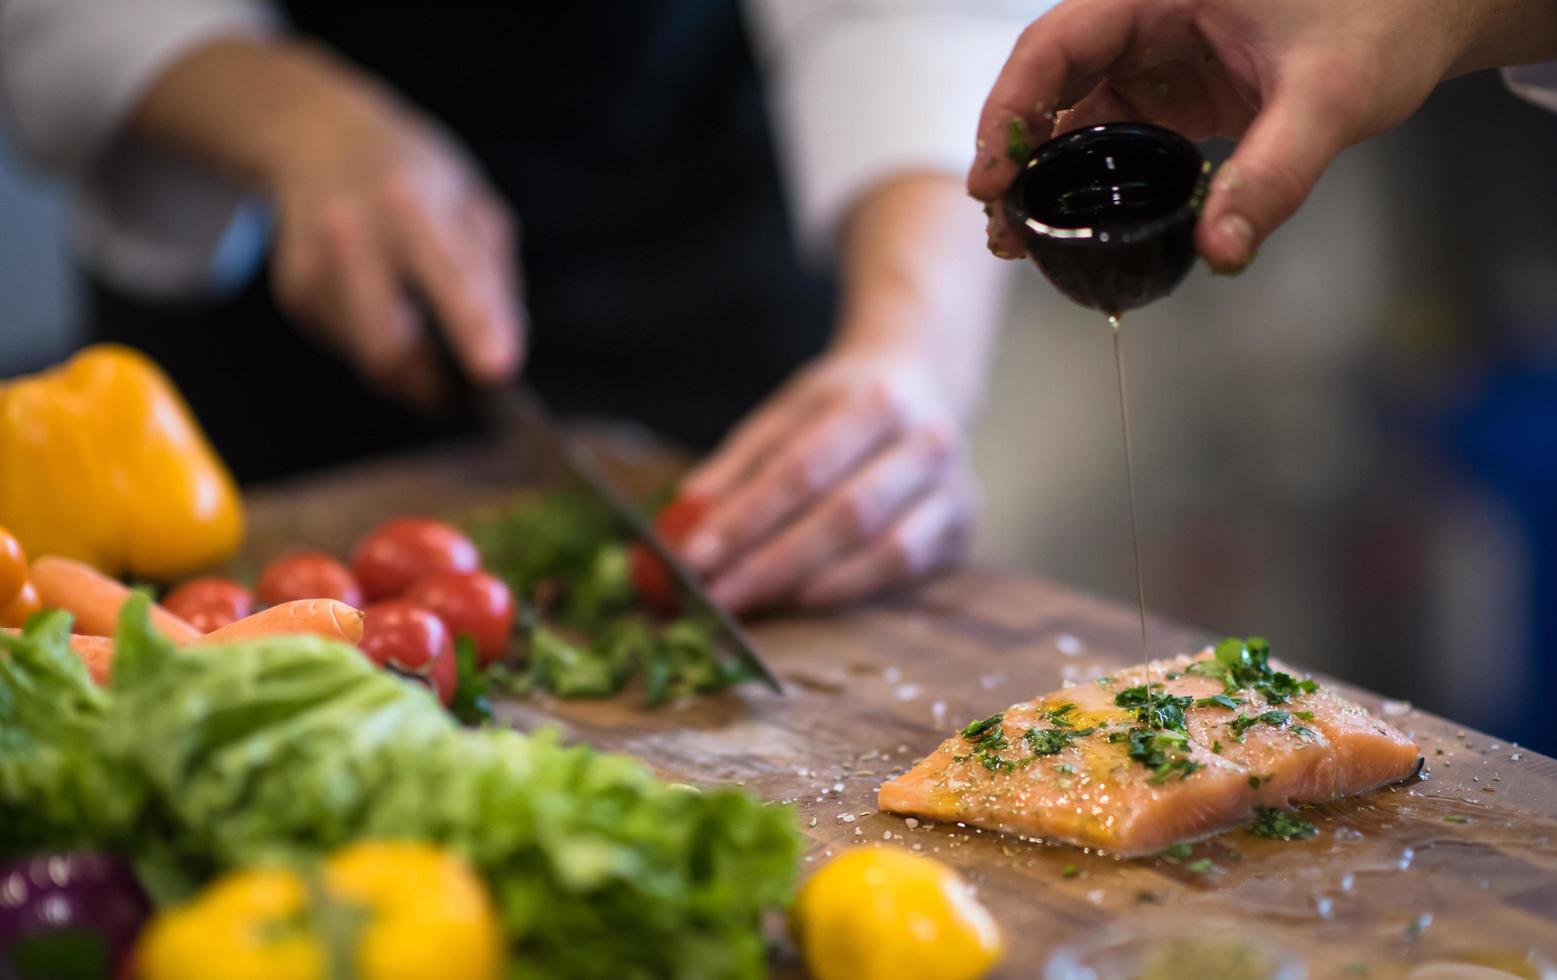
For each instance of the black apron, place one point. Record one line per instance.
(633, 143)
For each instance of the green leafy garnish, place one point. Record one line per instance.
(1225, 701)
(1280, 824)
(1052, 741)
(1456, 818)
(1069, 871)
(1243, 722)
(976, 728)
(1255, 782)
(1018, 146)
(1057, 716)
(1163, 753)
(1154, 707)
(1245, 665)
(1201, 866)
(1177, 852)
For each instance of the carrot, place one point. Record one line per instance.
(97, 652)
(329, 618)
(95, 599)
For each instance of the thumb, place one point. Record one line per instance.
(1281, 157)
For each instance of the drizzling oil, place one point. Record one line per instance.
(1115, 324)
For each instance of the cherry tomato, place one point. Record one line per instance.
(21, 605)
(13, 566)
(412, 642)
(469, 603)
(209, 603)
(307, 575)
(396, 553)
(652, 580)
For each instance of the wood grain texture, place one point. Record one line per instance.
(1394, 880)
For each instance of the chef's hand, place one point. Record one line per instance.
(378, 212)
(855, 475)
(852, 478)
(1299, 80)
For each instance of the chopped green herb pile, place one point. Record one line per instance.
(1163, 752)
(1053, 741)
(1154, 707)
(1245, 664)
(193, 761)
(1280, 824)
(1230, 703)
(565, 559)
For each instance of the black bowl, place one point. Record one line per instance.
(1108, 212)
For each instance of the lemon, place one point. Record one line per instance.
(875, 913)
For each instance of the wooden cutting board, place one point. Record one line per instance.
(1460, 865)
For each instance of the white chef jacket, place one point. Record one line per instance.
(860, 89)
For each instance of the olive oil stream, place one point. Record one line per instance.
(1115, 324)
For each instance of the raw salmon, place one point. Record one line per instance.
(1130, 769)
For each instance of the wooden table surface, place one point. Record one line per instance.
(1459, 865)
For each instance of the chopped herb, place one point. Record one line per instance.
(1065, 769)
(1438, 752)
(1052, 741)
(1280, 824)
(1069, 871)
(1154, 708)
(1245, 664)
(1104, 681)
(977, 728)
(1173, 675)
(1162, 753)
(1305, 715)
(1230, 703)
(1177, 852)
(1018, 147)
(1057, 717)
(1456, 818)
(1201, 866)
(1216, 746)
(1243, 722)
(1257, 781)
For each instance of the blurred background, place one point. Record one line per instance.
(1352, 448)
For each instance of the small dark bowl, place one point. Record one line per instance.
(1108, 212)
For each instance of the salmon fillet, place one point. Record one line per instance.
(1131, 769)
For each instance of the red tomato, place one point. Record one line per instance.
(20, 606)
(412, 642)
(652, 580)
(209, 603)
(469, 603)
(396, 553)
(307, 575)
(13, 566)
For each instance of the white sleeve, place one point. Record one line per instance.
(864, 89)
(70, 71)
(1537, 83)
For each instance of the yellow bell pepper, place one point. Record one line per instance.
(881, 913)
(101, 461)
(385, 910)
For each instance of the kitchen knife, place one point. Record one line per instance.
(520, 407)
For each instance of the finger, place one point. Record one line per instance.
(460, 281)
(376, 327)
(931, 534)
(1102, 105)
(494, 228)
(753, 439)
(1058, 59)
(862, 507)
(807, 462)
(1268, 177)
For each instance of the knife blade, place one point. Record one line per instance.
(521, 407)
